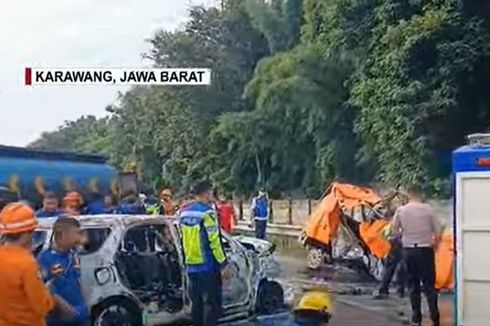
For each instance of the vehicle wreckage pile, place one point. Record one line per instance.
(349, 227)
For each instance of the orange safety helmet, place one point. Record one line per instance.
(17, 218)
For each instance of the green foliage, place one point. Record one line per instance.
(304, 92)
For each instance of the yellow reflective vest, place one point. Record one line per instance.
(201, 238)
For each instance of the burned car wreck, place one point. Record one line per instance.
(132, 272)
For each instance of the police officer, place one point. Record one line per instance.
(260, 214)
(204, 256)
(60, 267)
(420, 234)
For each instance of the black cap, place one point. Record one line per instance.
(201, 187)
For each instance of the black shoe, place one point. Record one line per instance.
(416, 321)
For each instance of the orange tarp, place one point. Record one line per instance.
(371, 234)
(445, 262)
(324, 221)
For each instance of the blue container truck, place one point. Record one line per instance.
(30, 172)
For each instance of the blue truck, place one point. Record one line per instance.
(28, 173)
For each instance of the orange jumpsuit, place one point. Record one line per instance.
(24, 299)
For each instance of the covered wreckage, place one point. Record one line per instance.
(349, 226)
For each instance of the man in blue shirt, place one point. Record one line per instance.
(50, 206)
(130, 206)
(60, 266)
(260, 214)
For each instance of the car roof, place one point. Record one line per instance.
(110, 220)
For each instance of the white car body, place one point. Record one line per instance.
(122, 245)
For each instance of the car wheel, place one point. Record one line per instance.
(117, 312)
(270, 297)
(315, 258)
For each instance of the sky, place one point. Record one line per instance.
(72, 33)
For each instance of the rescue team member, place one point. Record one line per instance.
(260, 214)
(72, 203)
(226, 213)
(24, 299)
(109, 204)
(314, 309)
(96, 205)
(204, 256)
(393, 264)
(167, 206)
(421, 233)
(60, 266)
(152, 205)
(130, 206)
(50, 206)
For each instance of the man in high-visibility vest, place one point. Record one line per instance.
(204, 256)
(24, 298)
(260, 214)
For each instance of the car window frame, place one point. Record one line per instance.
(127, 228)
(92, 227)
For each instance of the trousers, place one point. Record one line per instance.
(206, 296)
(260, 229)
(394, 264)
(421, 270)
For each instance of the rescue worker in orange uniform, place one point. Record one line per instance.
(72, 203)
(24, 298)
(167, 206)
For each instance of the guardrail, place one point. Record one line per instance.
(273, 229)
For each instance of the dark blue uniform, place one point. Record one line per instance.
(130, 209)
(41, 213)
(98, 207)
(63, 269)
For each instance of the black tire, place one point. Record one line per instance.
(117, 312)
(270, 297)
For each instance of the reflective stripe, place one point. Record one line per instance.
(211, 229)
(192, 214)
(261, 218)
(210, 222)
(18, 225)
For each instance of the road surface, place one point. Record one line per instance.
(354, 305)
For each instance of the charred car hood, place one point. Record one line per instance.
(265, 253)
(261, 247)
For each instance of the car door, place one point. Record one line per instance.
(236, 288)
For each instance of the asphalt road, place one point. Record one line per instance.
(352, 295)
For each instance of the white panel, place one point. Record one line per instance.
(476, 256)
(476, 201)
(473, 247)
(476, 303)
